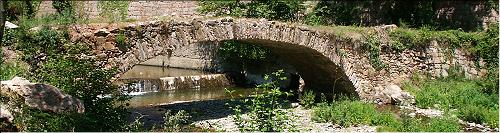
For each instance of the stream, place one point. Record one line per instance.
(144, 84)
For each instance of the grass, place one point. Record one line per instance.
(474, 100)
(408, 124)
(348, 113)
(9, 70)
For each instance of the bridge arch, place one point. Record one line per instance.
(328, 57)
(314, 53)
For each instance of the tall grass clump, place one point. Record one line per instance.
(474, 100)
(349, 112)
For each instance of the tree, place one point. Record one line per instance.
(3, 4)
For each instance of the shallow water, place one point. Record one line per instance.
(155, 72)
(184, 95)
(142, 82)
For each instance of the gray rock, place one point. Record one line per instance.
(40, 96)
(5, 114)
(101, 32)
(398, 96)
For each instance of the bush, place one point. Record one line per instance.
(307, 99)
(347, 113)
(243, 54)
(52, 61)
(266, 113)
(413, 14)
(474, 99)
(269, 9)
(408, 124)
(121, 42)
(481, 44)
(17, 9)
(173, 122)
(104, 110)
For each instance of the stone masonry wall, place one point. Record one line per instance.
(324, 60)
(137, 9)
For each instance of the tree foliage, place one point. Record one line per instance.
(288, 10)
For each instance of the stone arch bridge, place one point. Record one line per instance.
(329, 59)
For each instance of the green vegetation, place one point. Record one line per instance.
(474, 100)
(270, 9)
(483, 44)
(16, 9)
(352, 112)
(348, 112)
(243, 54)
(372, 45)
(408, 124)
(173, 122)
(113, 11)
(53, 60)
(265, 110)
(308, 98)
(10, 69)
(413, 14)
(121, 41)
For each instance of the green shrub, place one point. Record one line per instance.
(62, 6)
(113, 11)
(347, 113)
(385, 119)
(33, 120)
(265, 111)
(446, 124)
(173, 123)
(372, 45)
(408, 124)
(121, 41)
(243, 54)
(307, 99)
(89, 83)
(273, 10)
(79, 78)
(17, 9)
(44, 42)
(473, 99)
(482, 44)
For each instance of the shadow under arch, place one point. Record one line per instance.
(319, 72)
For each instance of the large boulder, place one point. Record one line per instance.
(39, 96)
(397, 96)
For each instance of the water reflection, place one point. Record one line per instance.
(143, 82)
(182, 95)
(155, 72)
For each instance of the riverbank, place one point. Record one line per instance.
(215, 115)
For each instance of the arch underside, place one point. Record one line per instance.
(319, 72)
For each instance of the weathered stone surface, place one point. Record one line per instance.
(398, 96)
(5, 114)
(40, 96)
(101, 32)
